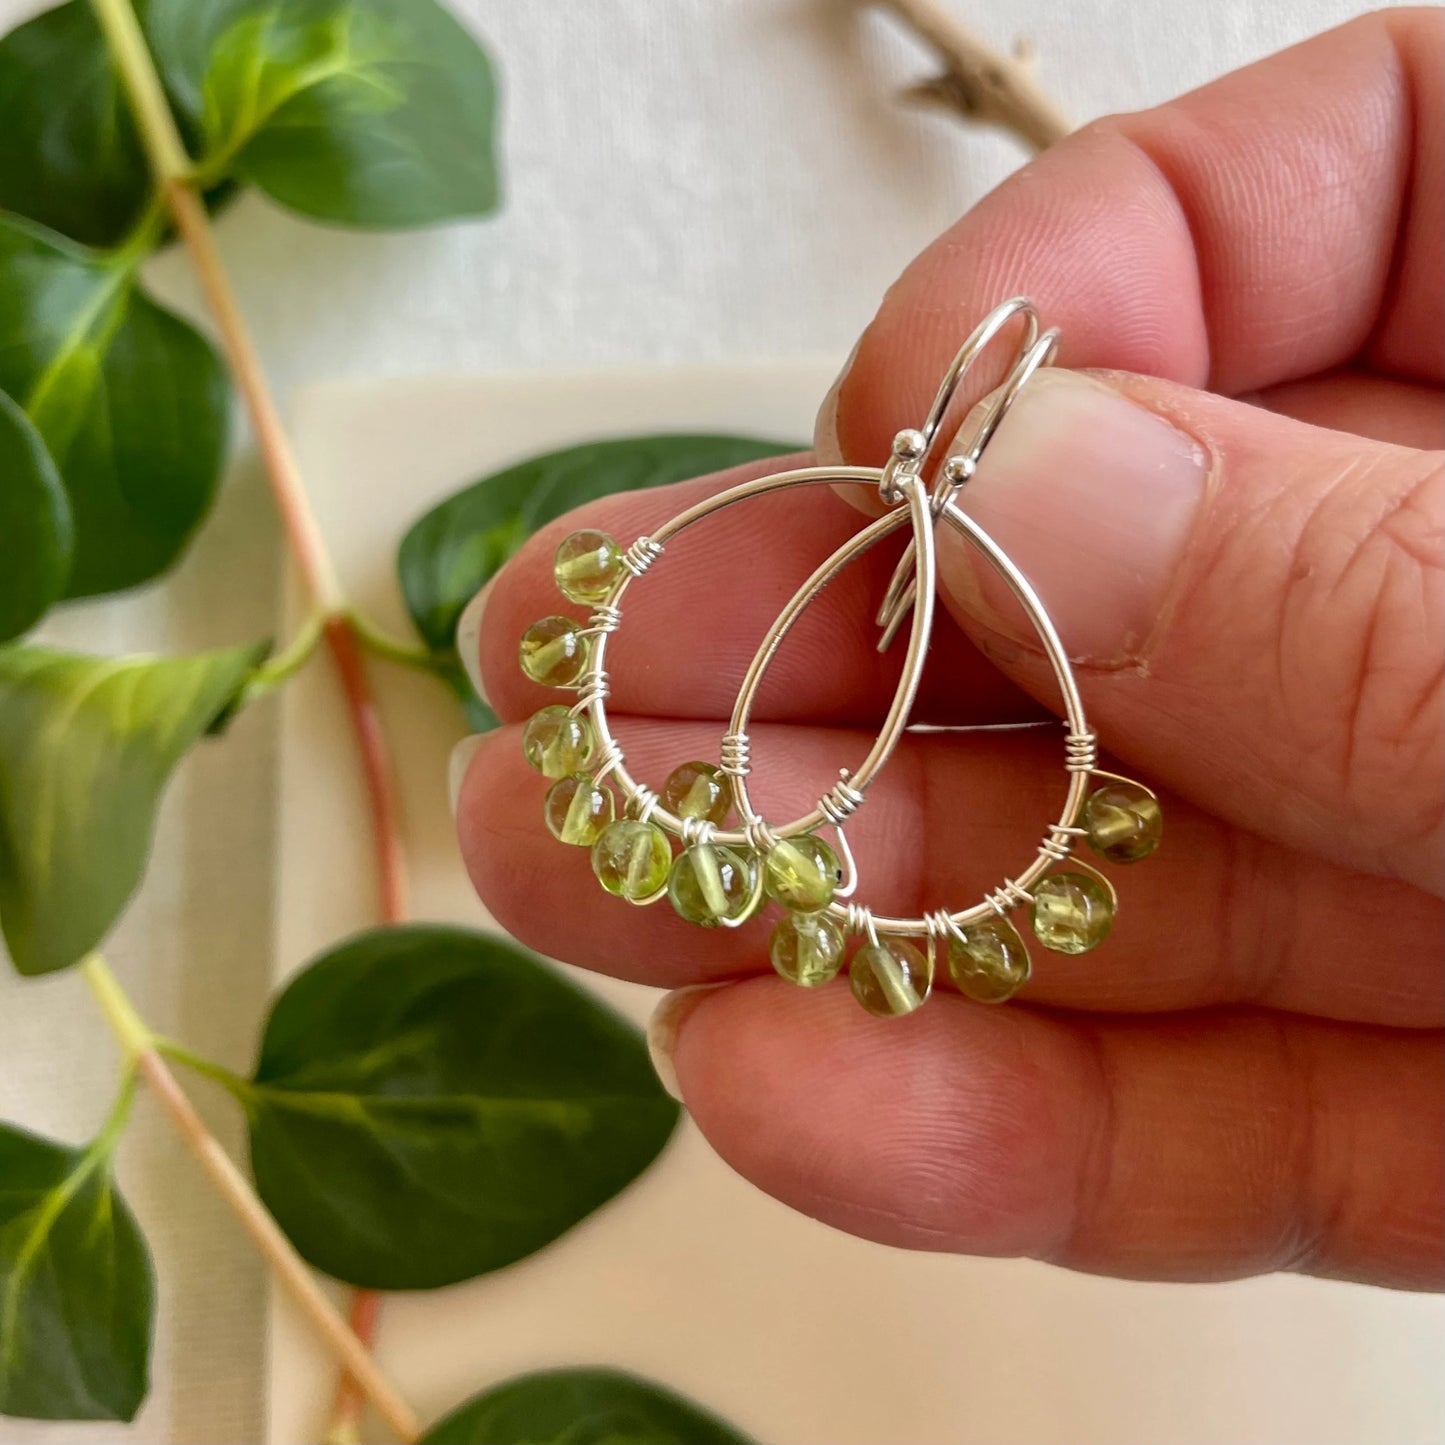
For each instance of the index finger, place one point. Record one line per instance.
(1281, 221)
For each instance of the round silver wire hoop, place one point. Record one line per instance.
(901, 485)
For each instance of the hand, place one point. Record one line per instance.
(1235, 524)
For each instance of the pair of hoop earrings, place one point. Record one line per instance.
(724, 875)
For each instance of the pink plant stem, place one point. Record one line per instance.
(319, 579)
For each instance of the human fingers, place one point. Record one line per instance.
(1215, 916)
(1408, 414)
(693, 622)
(1282, 221)
(1193, 1147)
(1257, 605)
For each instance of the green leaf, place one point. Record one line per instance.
(86, 747)
(456, 547)
(76, 1288)
(70, 158)
(375, 113)
(581, 1407)
(130, 401)
(432, 1103)
(34, 521)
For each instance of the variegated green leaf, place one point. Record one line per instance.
(374, 113)
(86, 747)
(130, 402)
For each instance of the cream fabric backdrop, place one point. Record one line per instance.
(699, 180)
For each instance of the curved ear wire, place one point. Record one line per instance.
(970, 352)
(1033, 352)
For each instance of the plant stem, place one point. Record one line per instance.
(125, 1023)
(141, 1050)
(279, 462)
(393, 649)
(143, 237)
(978, 82)
(288, 1266)
(176, 179)
(118, 22)
(377, 768)
(284, 665)
(232, 1083)
(173, 172)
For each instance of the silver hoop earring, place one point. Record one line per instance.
(731, 861)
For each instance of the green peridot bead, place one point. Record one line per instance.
(990, 963)
(577, 810)
(587, 566)
(556, 743)
(801, 873)
(711, 884)
(890, 978)
(807, 949)
(696, 790)
(632, 859)
(553, 652)
(1072, 912)
(1124, 822)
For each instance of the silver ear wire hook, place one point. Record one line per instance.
(974, 347)
(1034, 351)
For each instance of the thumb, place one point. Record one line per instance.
(1256, 604)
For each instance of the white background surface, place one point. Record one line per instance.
(697, 180)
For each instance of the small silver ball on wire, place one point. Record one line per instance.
(910, 444)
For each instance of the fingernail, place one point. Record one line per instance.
(469, 639)
(825, 426)
(457, 765)
(1092, 495)
(663, 1028)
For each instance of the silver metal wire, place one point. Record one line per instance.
(1034, 352)
(606, 618)
(641, 555)
(735, 755)
(921, 509)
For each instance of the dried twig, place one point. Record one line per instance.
(977, 82)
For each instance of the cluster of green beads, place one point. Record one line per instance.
(556, 651)
(708, 883)
(1071, 912)
(711, 884)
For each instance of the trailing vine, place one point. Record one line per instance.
(389, 1065)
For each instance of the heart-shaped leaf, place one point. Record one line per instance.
(456, 547)
(69, 157)
(34, 521)
(131, 402)
(375, 113)
(86, 747)
(581, 1407)
(432, 1103)
(76, 1288)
